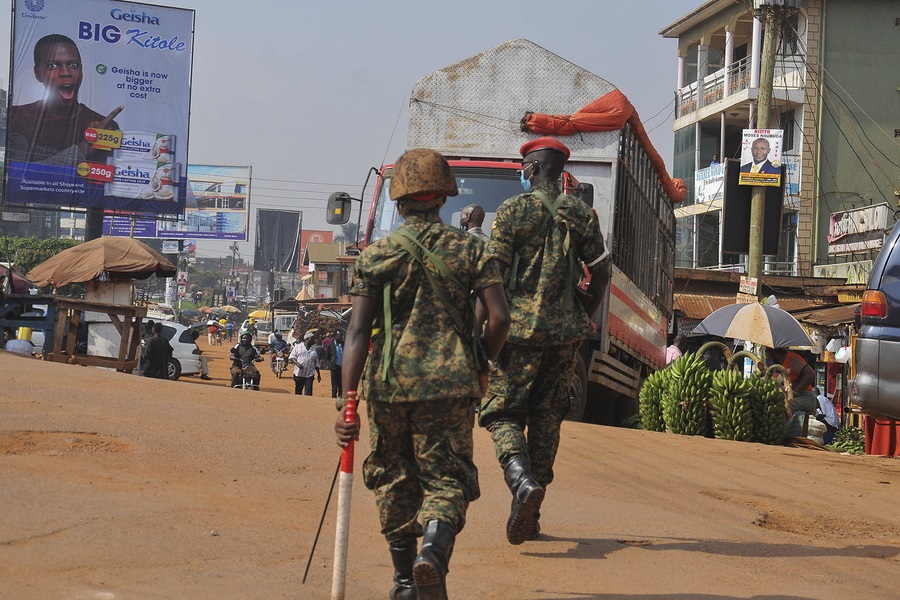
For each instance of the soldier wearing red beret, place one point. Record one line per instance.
(537, 238)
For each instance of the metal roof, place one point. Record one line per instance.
(828, 316)
(323, 252)
(701, 305)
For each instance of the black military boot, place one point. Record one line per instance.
(527, 497)
(404, 587)
(431, 566)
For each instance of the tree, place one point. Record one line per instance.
(347, 233)
(27, 253)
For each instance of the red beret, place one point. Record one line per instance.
(543, 143)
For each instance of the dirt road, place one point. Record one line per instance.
(115, 487)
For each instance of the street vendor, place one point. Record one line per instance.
(802, 377)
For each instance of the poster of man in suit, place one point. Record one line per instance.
(761, 157)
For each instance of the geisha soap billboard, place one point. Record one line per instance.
(99, 105)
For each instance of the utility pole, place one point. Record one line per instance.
(774, 19)
(763, 108)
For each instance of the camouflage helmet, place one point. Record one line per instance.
(422, 174)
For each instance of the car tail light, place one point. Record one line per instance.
(196, 351)
(874, 304)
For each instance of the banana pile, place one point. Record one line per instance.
(731, 405)
(685, 401)
(689, 399)
(650, 401)
(769, 415)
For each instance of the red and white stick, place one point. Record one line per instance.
(345, 489)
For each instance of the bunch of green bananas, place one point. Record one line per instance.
(686, 398)
(731, 406)
(767, 405)
(650, 401)
(849, 439)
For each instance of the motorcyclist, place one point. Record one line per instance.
(278, 347)
(243, 355)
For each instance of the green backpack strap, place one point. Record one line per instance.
(552, 213)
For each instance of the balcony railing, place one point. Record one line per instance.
(789, 74)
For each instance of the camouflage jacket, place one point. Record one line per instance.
(430, 360)
(537, 304)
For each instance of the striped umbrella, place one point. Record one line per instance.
(758, 323)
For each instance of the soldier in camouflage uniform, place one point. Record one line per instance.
(529, 388)
(420, 381)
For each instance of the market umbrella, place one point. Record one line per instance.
(259, 314)
(754, 322)
(190, 312)
(228, 308)
(114, 257)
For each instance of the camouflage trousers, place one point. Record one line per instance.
(529, 391)
(420, 466)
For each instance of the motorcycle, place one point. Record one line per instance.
(279, 363)
(247, 374)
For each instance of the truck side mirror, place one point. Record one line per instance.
(585, 192)
(338, 212)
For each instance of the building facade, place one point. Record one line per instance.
(836, 98)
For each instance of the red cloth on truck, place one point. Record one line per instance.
(609, 112)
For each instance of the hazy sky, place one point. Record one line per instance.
(311, 94)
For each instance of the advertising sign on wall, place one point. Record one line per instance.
(312, 236)
(858, 230)
(99, 105)
(761, 157)
(218, 208)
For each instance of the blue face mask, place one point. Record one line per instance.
(526, 183)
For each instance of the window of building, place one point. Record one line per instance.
(790, 35)
(788, 125)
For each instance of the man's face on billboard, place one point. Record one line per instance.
(59, 69)
(759, 150)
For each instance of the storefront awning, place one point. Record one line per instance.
(701, 305)
(831, 316)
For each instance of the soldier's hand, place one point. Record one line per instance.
(346, 432)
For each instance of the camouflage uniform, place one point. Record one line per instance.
(421, 415)
(537, 363)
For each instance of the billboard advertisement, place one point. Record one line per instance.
(761, 157)
(99, 105)
(217, 208)
(277, 240)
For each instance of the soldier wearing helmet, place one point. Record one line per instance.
(420, 381)
(539, 238)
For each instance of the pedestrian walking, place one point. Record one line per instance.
(420, 380)
(306, 365)
(538, 237)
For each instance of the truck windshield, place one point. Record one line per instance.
(483, 186)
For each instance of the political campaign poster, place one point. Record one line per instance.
(99, 105)
(761, 157)
(217, 208)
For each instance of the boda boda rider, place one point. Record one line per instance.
(277, 345)
(244, 354)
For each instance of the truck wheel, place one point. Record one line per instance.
(173, 369)
(578, 391)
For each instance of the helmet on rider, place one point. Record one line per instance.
(246, 338)
(251, 321)
(278, 335)
(422, 179)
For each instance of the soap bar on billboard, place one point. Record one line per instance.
(142, 179)
(145, 145)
